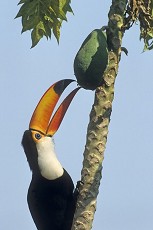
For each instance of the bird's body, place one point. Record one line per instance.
(51, 201)
(51, 197)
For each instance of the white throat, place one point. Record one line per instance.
(50, 167)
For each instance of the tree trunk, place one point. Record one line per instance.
(98, 125)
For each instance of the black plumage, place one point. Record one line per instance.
(51, 202)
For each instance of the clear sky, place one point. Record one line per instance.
(125, 200)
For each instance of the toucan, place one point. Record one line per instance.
(51, 194)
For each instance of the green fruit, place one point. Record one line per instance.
(91, 60)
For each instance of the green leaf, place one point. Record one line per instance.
(29, 24)
(56, 30)
(43, 17)
(37, 33)
(27, 9)
(58, 9)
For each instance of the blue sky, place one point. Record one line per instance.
(125, 200)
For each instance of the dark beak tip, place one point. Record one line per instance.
(61, 85)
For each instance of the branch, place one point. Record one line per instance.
(98, 126)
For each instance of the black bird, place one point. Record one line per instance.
(51, 197)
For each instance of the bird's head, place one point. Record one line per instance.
(43, 125)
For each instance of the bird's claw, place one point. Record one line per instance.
(77, 189)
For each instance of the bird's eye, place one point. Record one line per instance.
(38, 136)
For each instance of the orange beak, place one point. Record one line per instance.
(40, 120)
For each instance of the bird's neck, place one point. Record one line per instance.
(50, 167)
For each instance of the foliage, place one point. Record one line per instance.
(142, 11)
(43, 17)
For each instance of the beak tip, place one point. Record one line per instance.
(61, 85)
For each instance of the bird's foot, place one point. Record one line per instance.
(77, 189)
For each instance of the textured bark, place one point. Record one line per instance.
(98, 125)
